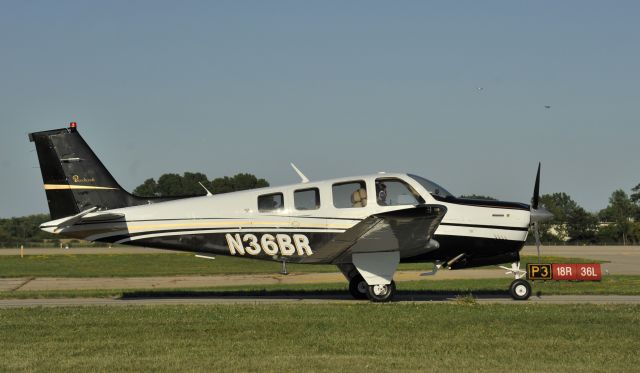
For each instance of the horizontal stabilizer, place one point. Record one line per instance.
(55, 226)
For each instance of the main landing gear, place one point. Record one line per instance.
(520, 289)
(370, 275)
(381, 293)
(359, 289)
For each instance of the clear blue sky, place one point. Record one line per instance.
(338, 87)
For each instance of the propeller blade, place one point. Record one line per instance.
(536, 190)
(537, 234)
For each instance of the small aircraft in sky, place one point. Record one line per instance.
(365, 225)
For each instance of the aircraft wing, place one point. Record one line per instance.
(408, 231)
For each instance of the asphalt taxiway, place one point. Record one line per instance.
(622, 260)
(18, 284)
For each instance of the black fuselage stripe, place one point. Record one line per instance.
(247, 230)
(523, 229)
(192, 219)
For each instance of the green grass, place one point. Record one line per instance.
(611, 285)
(135, 265)
(356, 337)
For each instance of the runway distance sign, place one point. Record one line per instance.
(539, 272)
(577, 272)
(566, 272)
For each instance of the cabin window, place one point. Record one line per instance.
(307, 199)
(350, 194)
(270, 202)
(394, 192)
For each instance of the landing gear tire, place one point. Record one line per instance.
(520, 290)
(358, 287)
(381, 293)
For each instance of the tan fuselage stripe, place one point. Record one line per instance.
(235, 224)
(67, 187)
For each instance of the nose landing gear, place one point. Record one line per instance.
(520, 289)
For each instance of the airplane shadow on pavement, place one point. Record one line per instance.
(420, 296)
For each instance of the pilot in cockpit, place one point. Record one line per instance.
(381, 194)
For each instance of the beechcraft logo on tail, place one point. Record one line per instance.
(78, 179)
(282, 244)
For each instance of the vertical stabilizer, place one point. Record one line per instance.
(74, 178)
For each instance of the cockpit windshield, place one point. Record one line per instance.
(434, 189)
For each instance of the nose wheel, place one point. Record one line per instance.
(520, 289)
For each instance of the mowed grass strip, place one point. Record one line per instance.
(610, 285)
(359, 337)
(144, 265)
(139, 265)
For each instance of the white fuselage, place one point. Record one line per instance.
(239, 213)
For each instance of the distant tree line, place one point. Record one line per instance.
(25, 230)
(618, 223)
(188, 184)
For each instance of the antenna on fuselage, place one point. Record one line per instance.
(205, 188)
(304, 178)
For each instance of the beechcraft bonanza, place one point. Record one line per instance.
(365, 225)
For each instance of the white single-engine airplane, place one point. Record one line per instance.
(365, 225)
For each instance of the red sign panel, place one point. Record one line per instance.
(577, 272)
